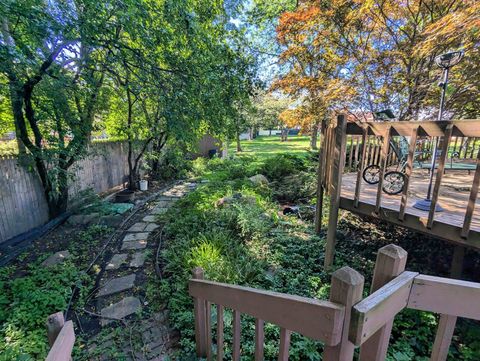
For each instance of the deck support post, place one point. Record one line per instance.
(335, 188)
(457, 262)
(391, 261)
(321, 171)
(347, 289)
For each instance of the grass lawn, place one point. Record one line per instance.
(266, 146)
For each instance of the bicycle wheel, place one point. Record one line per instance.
(371, 174)
(393, 182)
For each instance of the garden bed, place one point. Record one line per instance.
(247, 241)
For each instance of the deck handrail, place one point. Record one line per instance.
(364, 323)
(326, 321)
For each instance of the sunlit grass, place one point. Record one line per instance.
(267, 146)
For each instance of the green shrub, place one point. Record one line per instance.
(282, 165)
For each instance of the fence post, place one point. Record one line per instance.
(200, 312)
(54, 325)
(346, 289)
(335, 188)
(391, 261)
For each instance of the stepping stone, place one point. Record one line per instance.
(151, 227)
(157, 211)
(116, 261)
(116, 285)
(163, 203)
(138, 227)
(56, 258)
(138, 259)
(122, 309)
(139, 244)
(135, 236)
(149, 219)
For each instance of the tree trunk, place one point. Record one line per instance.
(239, 145)
(314, 137)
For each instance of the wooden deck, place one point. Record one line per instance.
(453, 197)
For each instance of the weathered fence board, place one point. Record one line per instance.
(22, 201)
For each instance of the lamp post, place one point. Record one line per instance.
(444, 61)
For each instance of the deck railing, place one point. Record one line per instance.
(320, 320)
(343, 322)
(369, 144)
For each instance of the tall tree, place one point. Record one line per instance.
(53, 55)
(382, 50)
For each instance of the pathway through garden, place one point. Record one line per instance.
(137, 333)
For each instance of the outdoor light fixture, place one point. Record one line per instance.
(444, 61)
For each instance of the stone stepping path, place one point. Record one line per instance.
(116, 285)
(135, 241)
(156, 335)
(116, 261)
(120, 310)
(138, 260)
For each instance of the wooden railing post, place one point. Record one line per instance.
(346, 289)
(361, 165)
(335, 188)
(54, 325)
(321, 172)
(200, 313)
(391, 261)
(383, 166)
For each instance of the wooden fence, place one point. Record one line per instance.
(345, 321)
(22, 201)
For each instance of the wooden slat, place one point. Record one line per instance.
(236, 335)
(335, 189)
(208, 327)
(284, 347)
(438, 179)
(408, 172)
(383, 165)
(220, 336)
(446, 296)
(259, 339)
(320, 320)
(358, 184)
(62, 348)
(350, 155)
(467, 221)
(346, 289)
(199, 311)
(284, 344)
(373, 312)
(443, 338)
(357, 149)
